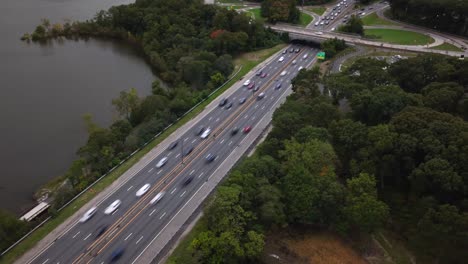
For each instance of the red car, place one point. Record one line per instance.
(247, 129)
(251, 85)
(263, 75)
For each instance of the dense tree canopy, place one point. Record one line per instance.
(445, 15)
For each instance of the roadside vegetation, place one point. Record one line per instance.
(302, 19)
(397, 36)
(317, 10)
(354, 25)
(395, 164)
(447, 16)
(374, 20)
(447, 46)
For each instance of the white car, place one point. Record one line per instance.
(112, 207)
(206, 133)
(294, 62)
(143, 190)
(88, 214)
(305, 56)
(161, 162)
(316, 23)
(319, 33)
(322, 22)
(157, 198)
(246, 82)
(283, 73)
(281, 59)
(333, 29)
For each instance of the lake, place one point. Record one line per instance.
(46, 89)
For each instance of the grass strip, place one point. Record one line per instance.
(319, 10)
(305, 19)
(248, 61)
(447, 46)
(374, 19)
(396, 36)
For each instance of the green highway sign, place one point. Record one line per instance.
(321, 55)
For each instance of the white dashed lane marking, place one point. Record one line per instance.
(152, 212)
(128, 236)
(151, 170)
(192, 172)
(87, 236)
(129, 188)
(138, 241)
(77, 234)
(183, 193)
(173, 190)
(163, 214)
(199, 176)
(221, 141)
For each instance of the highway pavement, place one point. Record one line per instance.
(136, 222)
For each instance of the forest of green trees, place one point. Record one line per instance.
(444, 15)
(190, 46)
(398, 160)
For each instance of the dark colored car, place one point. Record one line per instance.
(291, 50)
(256, 88)
(173, 145)
(188, 150)
(223, 102)
(117, 254)
(101, 229)
(210, 157)
(263, 75)
(277, 86)
(242, 100)
(247, 129)
(251, 85)
(199, 130)
(229, 105)
(187, 181)
(234, 131)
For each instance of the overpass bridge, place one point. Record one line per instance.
(300, 33)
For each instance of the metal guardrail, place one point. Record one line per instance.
(121, 162)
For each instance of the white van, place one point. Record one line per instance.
(305, 56)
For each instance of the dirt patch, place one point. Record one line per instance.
(308, 246)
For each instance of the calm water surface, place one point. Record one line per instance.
(46, 89)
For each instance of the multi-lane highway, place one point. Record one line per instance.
(135, 224)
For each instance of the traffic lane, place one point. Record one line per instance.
(163, 208)
(135, 186)
(123, 206)
(182, 178)
(218, 148)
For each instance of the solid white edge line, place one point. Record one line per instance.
(149, 244)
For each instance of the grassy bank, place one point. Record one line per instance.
(447, 46)
(247, 61)
(373, 19)
(319, 10)
(396, 36)
(304, 19)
